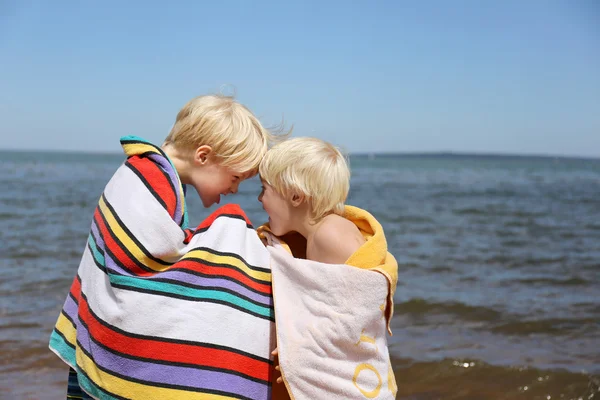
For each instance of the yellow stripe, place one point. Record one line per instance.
(132, 149)
(64, 326)
(133, 248)
(228, 260)
(134, 390)
(141, 148)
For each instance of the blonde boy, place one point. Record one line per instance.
(305, 183)
(214, 145)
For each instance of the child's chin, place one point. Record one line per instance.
(207, 203)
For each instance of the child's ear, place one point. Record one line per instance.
(297, 199)
(202, 154)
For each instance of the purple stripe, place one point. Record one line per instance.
(97, 237)
(200, 281)
(71, 309)
(112, 265)
(170, 374)
(168, 168)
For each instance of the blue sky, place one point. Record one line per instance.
(406, 76)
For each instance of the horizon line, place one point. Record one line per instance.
(433, 153)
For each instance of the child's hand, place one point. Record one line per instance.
(276, 354)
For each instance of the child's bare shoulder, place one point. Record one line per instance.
(335, 240)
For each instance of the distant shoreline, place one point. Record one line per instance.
(375, 155)
(465, 155)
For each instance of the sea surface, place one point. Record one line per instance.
(499, 268)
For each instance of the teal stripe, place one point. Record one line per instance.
(99, 257)
(58, 344)
(134, 138)
(186, 219)
(92, 388)
(164, 287)
(68, 353)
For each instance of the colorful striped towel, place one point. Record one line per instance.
(159, 311)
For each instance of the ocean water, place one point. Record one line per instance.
(498, 294)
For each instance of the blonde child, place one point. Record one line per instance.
(305, 183)
(214, 145)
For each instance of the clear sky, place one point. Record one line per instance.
(501, 76)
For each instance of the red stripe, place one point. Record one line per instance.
(156, 178)
(189, 234)
(226, 209)
(76, 288)
(216, 271)
(172, 352)
(116, 250)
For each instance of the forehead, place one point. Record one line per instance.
(241, 175)
(250, 174)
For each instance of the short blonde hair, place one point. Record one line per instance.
(311, 167)
(228, 127)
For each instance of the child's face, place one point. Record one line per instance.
(280, 210)
(213, 180)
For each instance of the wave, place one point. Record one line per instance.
(452, 379)
(573, 281)
(457, 309)
(494, 321)
(549, 326)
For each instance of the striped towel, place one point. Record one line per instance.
(160, 311)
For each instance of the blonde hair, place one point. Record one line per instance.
(311, 167)
(228, 127)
